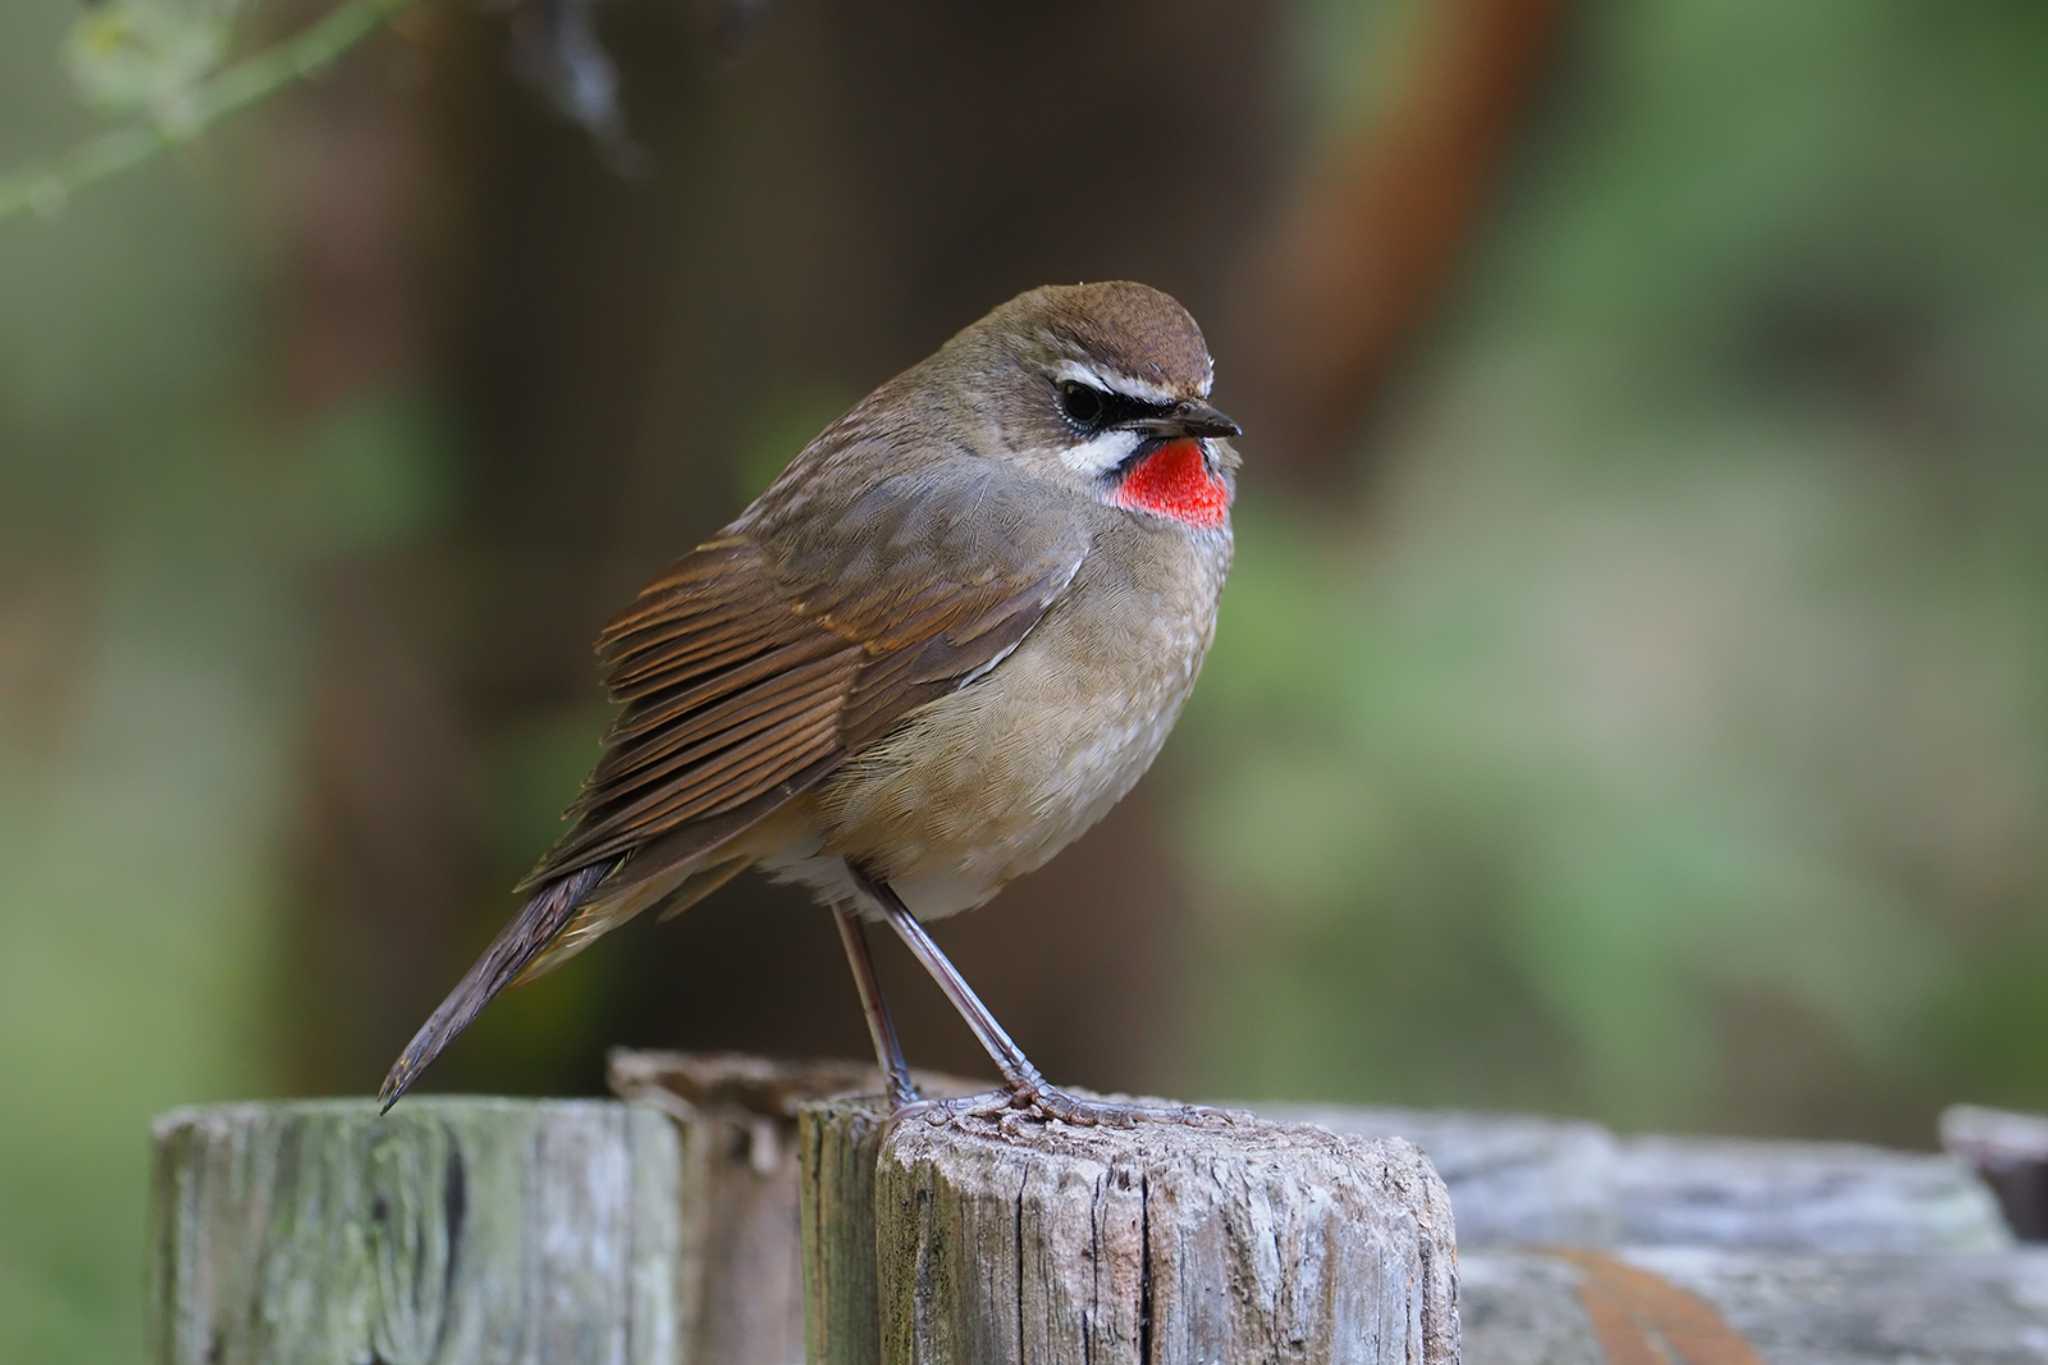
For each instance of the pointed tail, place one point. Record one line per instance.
(523, 940)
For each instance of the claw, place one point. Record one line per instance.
(939, 1113)
(1050, 1104)
(1042, 1103)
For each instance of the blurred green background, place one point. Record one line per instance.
(1631, 699)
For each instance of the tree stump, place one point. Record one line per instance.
(451, 1230)
(969, 1243)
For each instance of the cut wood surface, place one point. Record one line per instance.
(1163, 1244)
(453, 1230)
(1710, 1306)
(1512, 1178)
(1517, 1179)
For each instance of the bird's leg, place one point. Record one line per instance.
(1025, 1087)
(881, 1028)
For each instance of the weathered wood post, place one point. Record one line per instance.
(740, 1300)
(317, 1231)
(970, 1244)
(451, 1230)
(664, 1232)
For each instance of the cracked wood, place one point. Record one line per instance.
(1158, 1245)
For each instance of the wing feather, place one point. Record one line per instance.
(800, 635)
(656, 743)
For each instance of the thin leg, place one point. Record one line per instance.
(1026, 1085)
(881, 1028)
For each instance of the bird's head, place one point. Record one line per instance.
(1103, 389)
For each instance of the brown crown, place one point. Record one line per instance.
(1132, 328)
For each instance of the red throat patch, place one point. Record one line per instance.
(1174, 481)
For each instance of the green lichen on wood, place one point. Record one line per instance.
(838, 1141)
(450, 1231)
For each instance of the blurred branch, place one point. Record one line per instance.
(1361, 261)
(307, 53)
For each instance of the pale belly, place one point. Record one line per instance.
(991, 782)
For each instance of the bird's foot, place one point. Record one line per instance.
(904, 1096)
(1043, 1103)
(1048, 1103)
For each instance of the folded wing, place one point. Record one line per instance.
(762, 659)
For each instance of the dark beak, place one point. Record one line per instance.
(1190, 418)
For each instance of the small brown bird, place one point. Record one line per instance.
(942, 644)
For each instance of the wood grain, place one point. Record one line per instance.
(1162, 1244)
(740, 1296)
(454, 1230)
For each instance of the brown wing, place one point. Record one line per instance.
(763, 658)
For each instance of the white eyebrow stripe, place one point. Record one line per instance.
(1127, 385)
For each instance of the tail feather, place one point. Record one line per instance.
(569, 911)
(675, 889)
(524, 939)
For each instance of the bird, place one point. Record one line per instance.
(942, 644)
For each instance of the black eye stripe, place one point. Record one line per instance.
(1089, 409)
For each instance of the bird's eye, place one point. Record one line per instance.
(1085, 406)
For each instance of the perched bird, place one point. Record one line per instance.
(942, 644)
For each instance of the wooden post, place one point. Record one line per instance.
(451, 1230)
(1513, 1178)
(839, 1143)
(741, 1296)
(500, 1231)
(1156, 1245)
